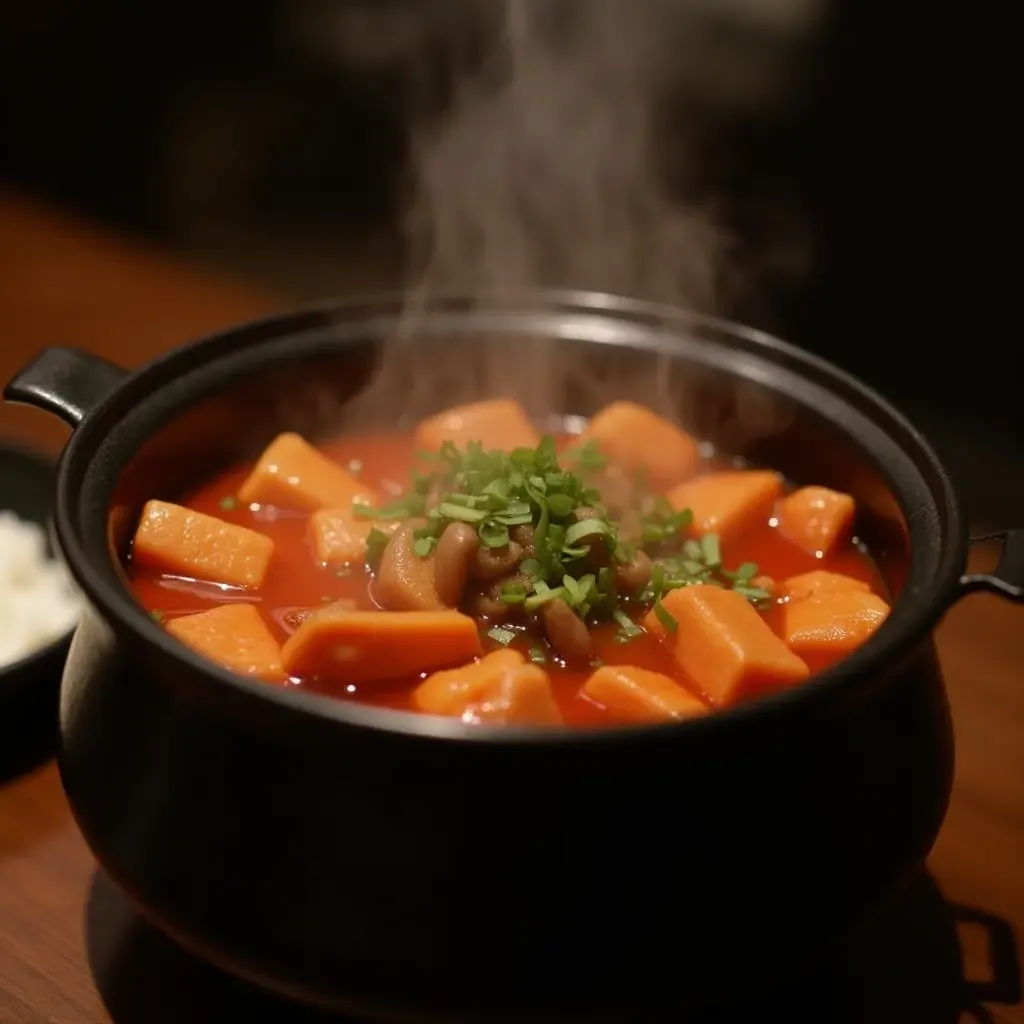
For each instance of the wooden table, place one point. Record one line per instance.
(61, 927)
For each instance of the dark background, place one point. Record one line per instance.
(865, 150)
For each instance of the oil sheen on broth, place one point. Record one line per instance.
(475, 569)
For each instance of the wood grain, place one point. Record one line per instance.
(62, 282)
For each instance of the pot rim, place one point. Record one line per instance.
(120, 608)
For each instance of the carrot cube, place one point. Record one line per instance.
(640, 695)
(338, 537)
(373, 646)
(835, 622)
(447, 692)
(234, 636)
(499, 423)
(632, 436)
(178, 541)
(520, 696)
(723, 645)
(820, 582)
(815, 518)
(728, 503)
(500, 687)
(292, 474)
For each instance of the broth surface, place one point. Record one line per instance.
(295, 582)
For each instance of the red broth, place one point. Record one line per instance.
(295, 581)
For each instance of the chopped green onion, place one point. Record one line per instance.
(424, 546)
(449, 510)
(228, 503)
(518, 519)
(657, 580)
(587, 528)
(560, 504)
(537, 656)
(501, 635)
(752, 593)
(629, 628)
(376, 542)
(747, 571)
(665, 617)
(529, 567)
(535, 600)
(156, 615)
(573, 589)
(711, 550)
(493, 535)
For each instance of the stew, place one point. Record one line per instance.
(477, 569)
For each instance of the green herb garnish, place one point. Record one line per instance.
(665, 617)
(229, 503)
(501, 635)
(628, 629)
(376, 542)
(576, 551)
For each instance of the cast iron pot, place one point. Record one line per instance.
(403, 866)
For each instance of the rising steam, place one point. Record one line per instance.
(547, 172)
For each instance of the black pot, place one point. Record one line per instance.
(401, 865)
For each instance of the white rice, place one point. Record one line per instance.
(38, 600)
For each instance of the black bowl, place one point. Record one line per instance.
(407, 866)
(28, 687)
(28, 482)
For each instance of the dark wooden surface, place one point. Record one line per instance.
(65, 935)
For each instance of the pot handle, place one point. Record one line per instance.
(1007, 578)
(67, 382)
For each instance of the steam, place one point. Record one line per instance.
(548, 172)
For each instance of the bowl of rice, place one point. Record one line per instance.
(39, 605)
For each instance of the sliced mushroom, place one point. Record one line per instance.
(487, 601)
(634, 575)
(596, 545)
(523, 536)
(567, 632)
(405, 580)
(454, 555)
(491, 563)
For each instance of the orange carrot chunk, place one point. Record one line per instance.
(497, 423)
(723, 645)
(640, 695)
(837, 622)
(499, 688)
(633, 437)
(371, 646)
(819, 582)
(338, 537)
(292, 474)
(728, 503)
(449, 691)
(520, 696)
(175, 540)
(815, 518)
(232, 635)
